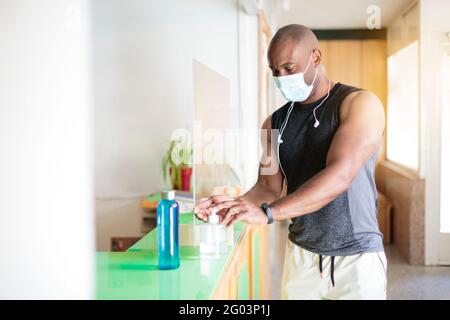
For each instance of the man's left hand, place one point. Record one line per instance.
(241, 210)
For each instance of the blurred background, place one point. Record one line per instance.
(91, 92)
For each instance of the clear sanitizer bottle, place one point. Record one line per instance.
(168, 232)
(213, 237)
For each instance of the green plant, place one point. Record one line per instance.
(177, 157)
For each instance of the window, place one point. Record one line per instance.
(403, 107)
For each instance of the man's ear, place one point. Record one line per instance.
(317, 57)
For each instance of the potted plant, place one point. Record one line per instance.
(177, 163)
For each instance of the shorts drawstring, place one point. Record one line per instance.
(332, 271)
(320, 266)
(331, 268)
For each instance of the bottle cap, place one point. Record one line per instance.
(168, 194)
(214, 217)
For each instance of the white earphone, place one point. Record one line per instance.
(316, 123)
(285, 122)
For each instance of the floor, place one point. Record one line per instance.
(405, 282)
(408, 282)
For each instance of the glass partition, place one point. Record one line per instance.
(215, 141)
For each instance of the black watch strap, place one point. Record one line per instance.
(268, 212)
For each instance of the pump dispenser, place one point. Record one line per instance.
(213, 237)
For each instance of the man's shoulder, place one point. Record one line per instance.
(359, 101)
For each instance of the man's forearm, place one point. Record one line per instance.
(260, 194)
(313, 195)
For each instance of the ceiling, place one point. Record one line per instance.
(333, 14)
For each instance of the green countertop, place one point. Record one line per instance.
(134, 274)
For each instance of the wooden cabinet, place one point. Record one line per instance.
(120, 244)
(247, 274)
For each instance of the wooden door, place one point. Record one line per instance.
(360, 63)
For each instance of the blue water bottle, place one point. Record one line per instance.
(168, 232)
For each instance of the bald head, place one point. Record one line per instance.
(297, 33)
(290, 49)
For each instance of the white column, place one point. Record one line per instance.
(46, 215)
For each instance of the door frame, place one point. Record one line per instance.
(263, 31)
(431, 19)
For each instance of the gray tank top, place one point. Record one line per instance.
(348, 224)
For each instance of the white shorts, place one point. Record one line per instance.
(361, 276)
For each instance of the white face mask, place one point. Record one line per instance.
(293, 87)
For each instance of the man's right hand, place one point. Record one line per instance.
(203, 209)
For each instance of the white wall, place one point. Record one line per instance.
(143, 84)
(46, 216)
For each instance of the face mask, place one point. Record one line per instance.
(293, 87)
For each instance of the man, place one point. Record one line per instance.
(328, 143)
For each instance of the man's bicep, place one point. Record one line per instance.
(269, 173)
(359, 133)
(272, 180)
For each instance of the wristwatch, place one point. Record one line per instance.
(268, 212)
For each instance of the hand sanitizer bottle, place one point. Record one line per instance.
(213, 237)
(168, 232)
